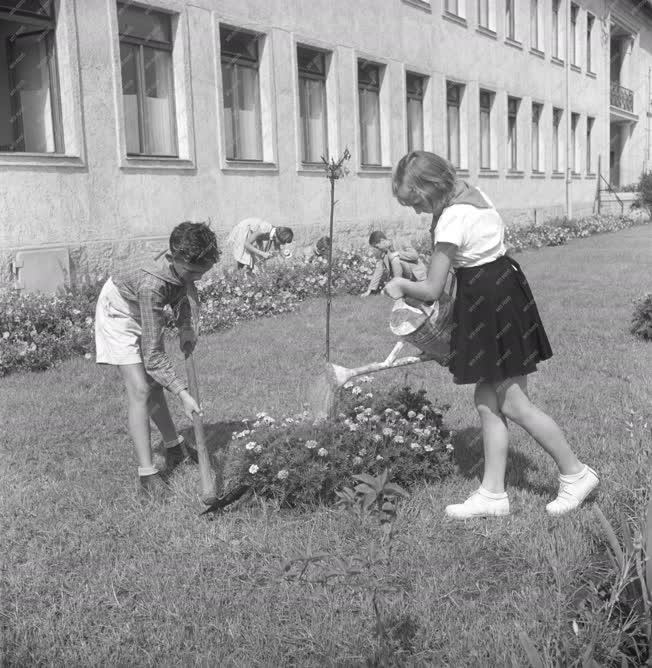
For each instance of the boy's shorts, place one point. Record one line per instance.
(117, 329)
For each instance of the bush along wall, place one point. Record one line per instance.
(37, 331)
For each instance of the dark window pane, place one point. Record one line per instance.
(368, 75)
(144, 24)
(129, 66)
(485, 101)
(310, 61)
(42, 8)
(414, 85)
(453, 93)
(237, 43)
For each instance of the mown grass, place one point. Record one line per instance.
(92, 577)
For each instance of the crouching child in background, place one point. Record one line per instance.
(397, 260)
(129, 334)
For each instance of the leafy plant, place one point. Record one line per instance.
(641, 324)
(644, 199)
(299, 461)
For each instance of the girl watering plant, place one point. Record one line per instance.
(497, 337)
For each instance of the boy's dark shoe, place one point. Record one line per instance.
(154, 487)
(178, 454)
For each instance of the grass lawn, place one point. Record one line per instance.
(91, 577)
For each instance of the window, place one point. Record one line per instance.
(147, 81)
(537, 162)
(510, 19)
(556, 140)
(241, 90)
(453, 6)
(483, 13)
(453, 145)
(573, 35)
(369, 102)
(575, 156)
(534, 24)
(30, 110)
(556, 52)
(415, 86)
(589, 30)
(486, 102)
(312, 104)
(512, 133)
(589, 129)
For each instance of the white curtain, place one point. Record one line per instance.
(453, 113)
(485, 140)
(370, 127)
(415, 125)
(248, 119)
(35, 103)
(313, 116)
(159, 103)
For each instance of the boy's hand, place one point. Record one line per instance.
(190, 406)
(187, 337)
(393, 289)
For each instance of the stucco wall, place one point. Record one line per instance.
(103, 205)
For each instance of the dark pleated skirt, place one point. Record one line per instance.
(497, 332)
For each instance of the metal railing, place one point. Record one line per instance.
(622, 97)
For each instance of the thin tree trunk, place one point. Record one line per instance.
(330, 273)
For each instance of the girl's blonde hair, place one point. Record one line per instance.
(426, 174)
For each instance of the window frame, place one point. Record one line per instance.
(233, 59)
(539, 168)
(168, 47)
(42, 25)
(590, 22)
(556, 30)
(590, 122)
(510, 21)
(375, 88)
(491, 96)
(418, 97)
(512, 156)
(574, 139)
(456, 104)
(558, 163)
(323, 78)
(573, 22)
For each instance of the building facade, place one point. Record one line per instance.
(120, 119)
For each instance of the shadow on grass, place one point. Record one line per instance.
(470, 461)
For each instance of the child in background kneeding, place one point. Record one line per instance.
(397, 260)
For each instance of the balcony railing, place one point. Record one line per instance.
(622, 97)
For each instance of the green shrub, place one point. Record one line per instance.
(298, 461)
(644, 199)
(641, 324)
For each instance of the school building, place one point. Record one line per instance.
(119, 119)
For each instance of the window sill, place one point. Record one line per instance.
(557, 61)
(454, 18)
(515, 174)
(152, 162)
(374, 169)
(593, 75)
(591, 176)
(420, 4)
(558, 175)
(488, 173)
(249, 166)
(576, 68)
(514, 43)
(459, 171)
(537, 53)
(20, 159)
(487, 32)
(311, 168)
(576, 175)
(538, 175)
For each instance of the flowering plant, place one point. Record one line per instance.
(301, 461)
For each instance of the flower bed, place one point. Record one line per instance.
(298, 461)
(36, 331)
